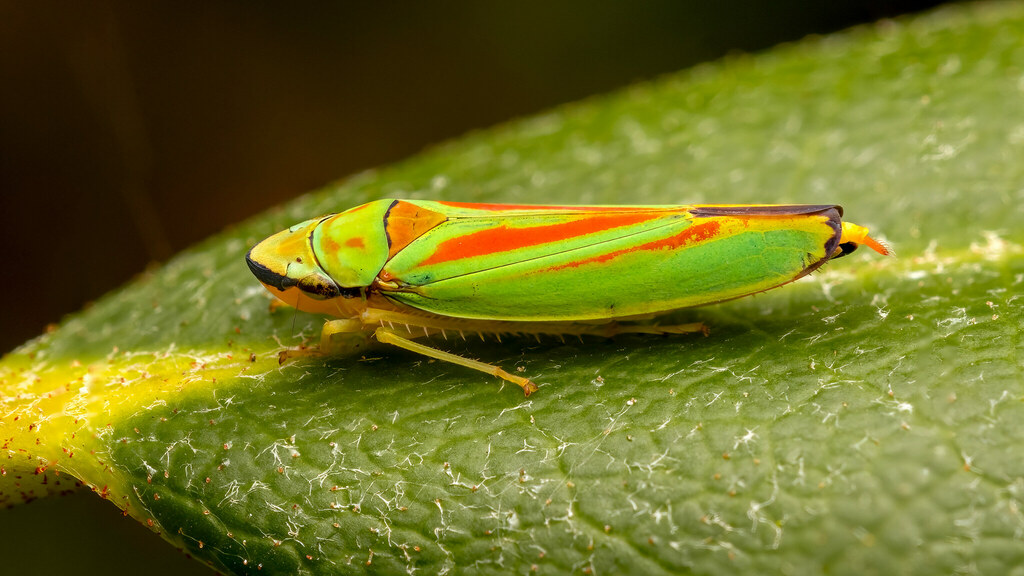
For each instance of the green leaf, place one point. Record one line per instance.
(866, 419)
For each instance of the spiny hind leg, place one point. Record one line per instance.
(401, 321)
(389, 337)
(689, 328)
(605, 329)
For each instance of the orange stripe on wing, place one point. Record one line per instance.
(406, 222)
(506, 239)
(692, 235)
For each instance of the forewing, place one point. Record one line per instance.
(610, 264)
(478, 237)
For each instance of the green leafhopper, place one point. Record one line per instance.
(402, 269)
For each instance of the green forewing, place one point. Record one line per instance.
(504, 268)
(467, 244)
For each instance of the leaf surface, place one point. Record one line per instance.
(865, 419)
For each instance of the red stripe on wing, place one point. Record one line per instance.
(506, 239)
(405, 222)
(692, 235)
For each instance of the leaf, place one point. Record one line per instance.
(866, 419)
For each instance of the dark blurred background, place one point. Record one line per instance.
(129, 130)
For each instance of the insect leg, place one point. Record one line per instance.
(374, 316)
(388, 337)
(329, 342)
(617, 328)
(608, 329)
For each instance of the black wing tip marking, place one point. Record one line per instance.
(770, 210)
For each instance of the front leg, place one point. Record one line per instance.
(333, 335)
(337, 336)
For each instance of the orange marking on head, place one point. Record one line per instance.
(360, 207)
(692, 235)
(355, 242)
(330, 245)
(506, 239)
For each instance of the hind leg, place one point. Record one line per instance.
(389, 337)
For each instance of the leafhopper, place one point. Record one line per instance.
(397, 270)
